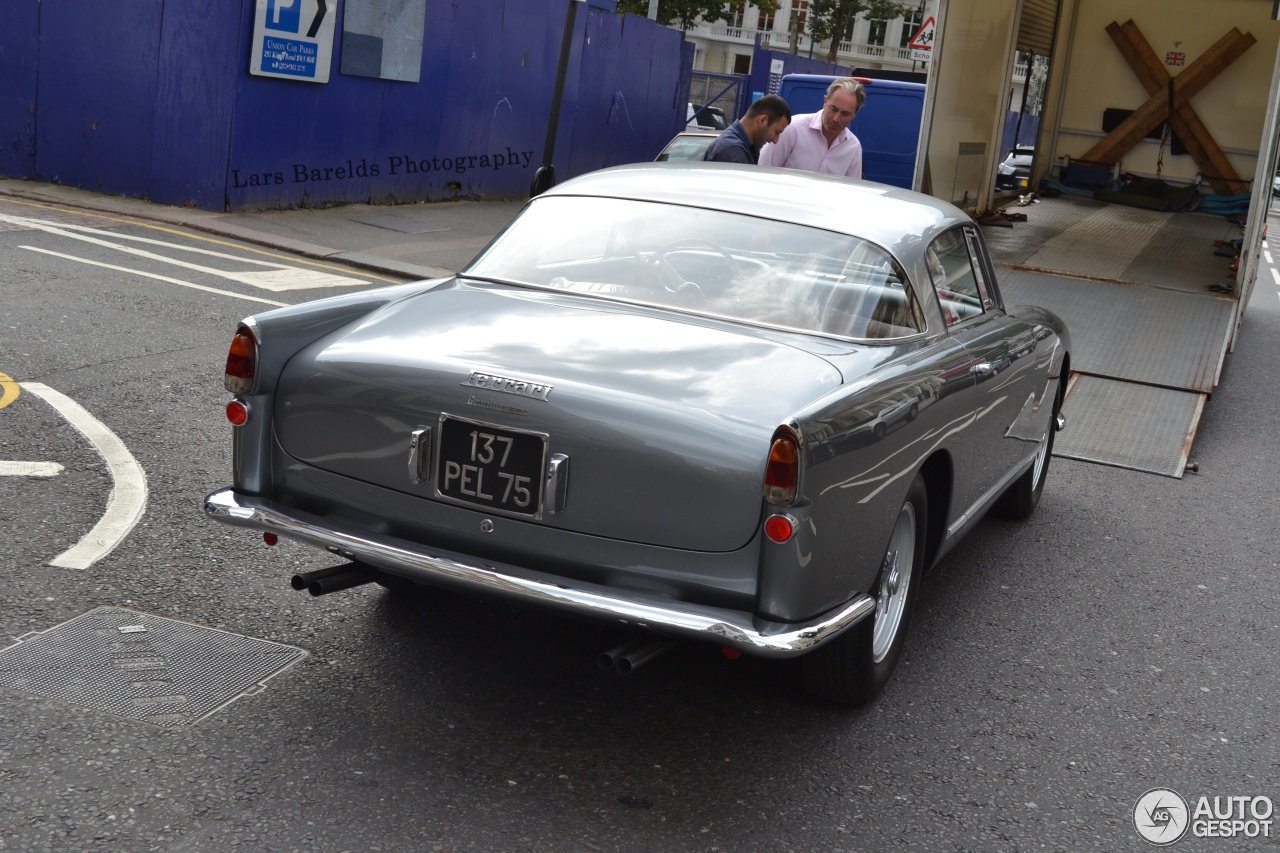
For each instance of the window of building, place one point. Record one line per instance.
(910, 26)
(800, 13)
(736, 12)
(764, 20)
(876, 31)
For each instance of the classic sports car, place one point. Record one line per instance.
(741, 405)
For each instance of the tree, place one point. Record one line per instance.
(831, 19)
(685, 13)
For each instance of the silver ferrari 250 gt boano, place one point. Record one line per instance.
(741, 405)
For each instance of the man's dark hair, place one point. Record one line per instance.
(771, 105)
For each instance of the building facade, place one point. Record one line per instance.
(725, 47)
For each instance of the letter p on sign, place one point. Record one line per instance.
(284, 15)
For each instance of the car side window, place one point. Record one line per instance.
(957, 277)
(985, 290)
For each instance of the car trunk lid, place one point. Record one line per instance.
(662, 421)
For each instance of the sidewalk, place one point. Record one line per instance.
(410, 240)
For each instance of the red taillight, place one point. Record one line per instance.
(242, 362)
(782, 476)
(237, 413)
(779, 528)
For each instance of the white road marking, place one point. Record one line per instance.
(1266, 255)
(158, 277)
(30, 469)
(281, 277)
(1275, 274)
(128, 498)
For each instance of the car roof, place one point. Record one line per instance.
(894, 218)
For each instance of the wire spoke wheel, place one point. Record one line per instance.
(853, 668)
(895, 584)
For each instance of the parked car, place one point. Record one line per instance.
(657, 402)
(688, 145)
(1014, 171)
(707, 118)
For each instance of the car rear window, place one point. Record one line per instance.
(707, 262)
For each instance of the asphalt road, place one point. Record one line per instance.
(1124, 639)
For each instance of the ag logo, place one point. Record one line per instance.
(1161, 816)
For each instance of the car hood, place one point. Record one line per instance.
(665, 419)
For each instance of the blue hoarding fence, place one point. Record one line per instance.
(163, 106)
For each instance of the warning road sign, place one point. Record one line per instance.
(922, 42)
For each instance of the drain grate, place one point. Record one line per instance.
(142, 667)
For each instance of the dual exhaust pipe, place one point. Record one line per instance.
(632, 654)
(334, 578)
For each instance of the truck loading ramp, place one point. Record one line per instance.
(1148, 339)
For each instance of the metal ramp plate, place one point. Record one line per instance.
(1142, 334)
(1130, 284)
(1103, 243)
(1129, 425)
(142, 667)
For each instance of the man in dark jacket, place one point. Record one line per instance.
(741, 141)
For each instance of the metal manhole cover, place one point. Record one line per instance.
(142, 667)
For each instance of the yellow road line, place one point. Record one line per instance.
(188, 234)
(9, 390)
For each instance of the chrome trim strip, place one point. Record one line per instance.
(419, 454)
(557, 482)
(737, 629)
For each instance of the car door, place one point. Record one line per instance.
(1002, 367)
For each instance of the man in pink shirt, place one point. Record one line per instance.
(822, 142)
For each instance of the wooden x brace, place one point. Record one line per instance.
(1171, 100)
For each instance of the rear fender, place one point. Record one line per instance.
(280, 334)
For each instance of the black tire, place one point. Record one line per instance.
(853, 668)
(1022, 496)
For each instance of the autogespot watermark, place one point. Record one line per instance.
(1162, 816)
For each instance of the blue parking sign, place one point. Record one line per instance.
(293, 39)
(283, 15)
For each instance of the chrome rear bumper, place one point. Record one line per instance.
(736, 629)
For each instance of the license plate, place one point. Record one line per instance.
(490, 466)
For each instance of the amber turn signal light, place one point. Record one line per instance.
(782, 476)
(242, 362)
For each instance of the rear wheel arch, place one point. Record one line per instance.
(938, 473)
(1064, 376)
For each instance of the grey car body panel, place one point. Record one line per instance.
(667, 443)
